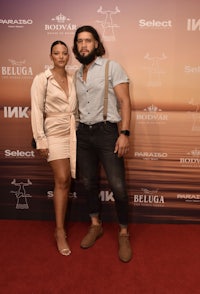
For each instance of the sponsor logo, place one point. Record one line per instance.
(192, 69)
(151, 115)
(61, 25)
(150, 155)
(107, 24)
(154, 69)
(192, 159)
(195, 104)
(155, 24)
(16, 112)
(21, 194)
(18, 154)
(147, 198)
(16, 23)
(72, 195)
(193, 24)
(189, 197)
(71, 68)
(106, 196)
(16, 70)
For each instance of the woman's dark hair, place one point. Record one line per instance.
(100, 50)
(56, 43)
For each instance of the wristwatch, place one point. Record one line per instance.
(125, 132)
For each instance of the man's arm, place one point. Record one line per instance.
(123, 97)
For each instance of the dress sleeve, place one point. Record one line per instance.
(38, 93)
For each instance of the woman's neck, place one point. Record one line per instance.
(59, 72)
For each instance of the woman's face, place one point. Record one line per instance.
(59, 55)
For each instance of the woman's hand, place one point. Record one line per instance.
(44, 153)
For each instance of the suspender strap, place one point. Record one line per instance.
(105, 104)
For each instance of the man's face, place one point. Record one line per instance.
(86, 43)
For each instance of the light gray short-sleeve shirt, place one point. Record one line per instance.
(90, 93)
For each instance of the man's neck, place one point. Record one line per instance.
(86, 66)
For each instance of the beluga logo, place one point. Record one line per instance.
(16, 69)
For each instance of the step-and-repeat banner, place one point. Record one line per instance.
(158, 44)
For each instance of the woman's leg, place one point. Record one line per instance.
(62, 181)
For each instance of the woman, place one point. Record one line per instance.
(53, 107)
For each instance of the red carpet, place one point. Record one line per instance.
(166, 260)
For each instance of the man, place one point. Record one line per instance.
(98, 139)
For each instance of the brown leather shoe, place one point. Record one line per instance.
(95, 232)
(125, 251)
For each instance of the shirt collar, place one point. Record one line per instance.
(98, 61)
(48, 73)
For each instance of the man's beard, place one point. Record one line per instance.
(85, 60)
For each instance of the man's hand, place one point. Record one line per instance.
(122, 145)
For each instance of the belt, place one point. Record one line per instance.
(95, 126)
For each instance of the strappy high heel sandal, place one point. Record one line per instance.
(63, 246)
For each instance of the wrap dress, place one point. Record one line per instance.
(53, 117)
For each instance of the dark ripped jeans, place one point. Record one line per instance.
(96, 144)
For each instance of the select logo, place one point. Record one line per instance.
(18, 154)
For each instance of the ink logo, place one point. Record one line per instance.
(16, 70)
(147, 197)
(151, 115)
(16, 112)
(192, 159)
(16, 23)
(61, 25)
(21, 194)
(108, 24)
(154, 69)
(193, 24)
(106, 196)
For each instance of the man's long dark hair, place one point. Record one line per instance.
(99, 51)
